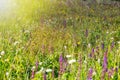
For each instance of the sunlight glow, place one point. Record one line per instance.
(6, 6)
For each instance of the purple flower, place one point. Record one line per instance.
(110, 72)
(102, 46)
(61, 58)
(105, 61)
(104, 65)
(61, 64)
(93, 51)
(33, 74)
(91, 55)
(90, 74)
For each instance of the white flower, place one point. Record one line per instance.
(6, 60)
(89, 45)
(71, 61)
(68, 56)
(0, 56)
(98, 60)
(27, 31)
(7, 73)
(33, 68)
(48, 70)
(40, 63)
(2, 53)
(16, 42)
(107, 32)
(41, 69)
(94, 73)
(112, 77)
(118, 42)
(85, 61)
(112, 38)
(65, 47)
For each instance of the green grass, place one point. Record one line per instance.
(36, 38)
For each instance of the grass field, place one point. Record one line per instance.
(59, 40)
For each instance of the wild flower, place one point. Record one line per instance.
(104, 70)
(99, 61)
(27, 31)
(105, 61)
(107, 32)
(7, 73)
(40, 63)
(6, 60)
(65, 65)
(110, 73)
(90, 73)
(91, 55)
(48, 70)
(118, 42)
(112, 38)
(71, 61)
(93, 52)
(68, 56)
(61, 64)
(89, 45)
(33, 68)
(102, 45)
(2, 53)
(94, 73)
(85, 61)
(65, 47)
(33, 74)
(42, 69)
(16, 42)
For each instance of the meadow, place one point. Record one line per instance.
(60, 40)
